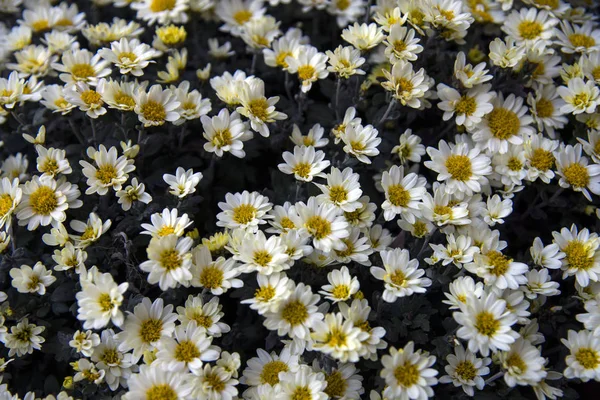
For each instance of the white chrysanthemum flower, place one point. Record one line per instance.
(361, 142)
(402, 193)
(314, 137)
(343, 381)
(578, 38)
(24, 338)
(120, 95)
(304, 382)
(349, 119)
(217, 276)
(265, 369)
(281, 220)
(84, 342)
(440, 210)
(465, 370)
(296, 314)
(32, 61)
(169, 261)
(580, 96)
(117, 366)
(161, 11)
(86, 98)
(539, 283)
(363, 216)
(539, 157)
(575, 172)
(263, 255)
(468, 75)
(546, 109)
(206, 315)
(496, 210)
(469, 108)
(99, 301)
(272, 290)
(59, 42)
(281, 49)
(458, 251)
(342, 189)
(486, 323)
(110, 170)
(246, 210)
(146, 325)
(581, 254)
(461, 291)
(591, 147)
(379, 238)
(497, 269)
(342, 286)
(323, 222)
(506, 53)
(258, 33)
(522, 364)
(46, 200)
(409, 147)
(401, 275)
(214, 382)
(236, 13)
(156, 106)
(81, 66)
(296, 244)
(590, 65)
(305, 163)
(153, 382)
(132, 193)
(591, 318)
(225, 132)
(259, 109)
(345, 61)
(464, 168)
(191, 104)
(337, 337)
(356, 248)
(51, 161)
(220, 52)
(530, 27)
(584, 360)
(69, 257)
(408, 373)
(90, 231)
(363, 36)
(130, 56)
(32, 280)
(406, 85)
(548, 257)
(358, 313)
(401, 44)
(183, 182)
(166, 223)
(53, 98)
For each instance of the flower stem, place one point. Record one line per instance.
(253, 67)
(338, 84)
(76, 132)
(494, 377)
(93, 125)
(387, 112)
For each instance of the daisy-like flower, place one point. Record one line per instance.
(296, 314)
(32, 280)
(406, 85)
(401, 44)
(323, 222)
(134, 192)
(575, 172)
(220, 52)
(169, 261)
(258, 108)
(130, 56)
(461, 291)
(548, 257)
(508, 122)
(358, 313)
(116, 365)
(590, 64)
(265, 369)
(156, 106)
(355, 249)
(99, 300)
(281, 49)
(440, 210)
(497, 209)
(272, 289)
(342, 189)
(530, 27)
(465, 370)
(59, 42)
(81, 66)
(468, 75)
(497, 269)
(303, 382)
(236, 13)
(463, 168)
(458, 251)
(349, 119)
(145, 326)
(153, 382)
(259, 33)
(583, 362)
(32, 61)
(183, 182)
(579, 96)
(337, 337)
(53, 98)
(192, 105)
(166, 223)
(539, 157)
(363, 36)
(246, 210)
(591, 318)
(51, 161)
(506, 53)
(86, 98)
(486, 323)
(263, 255)
(314, 137)
(46, 200)
(409, 147)
(90, 231)
(341, 285)
(161, 11)
(408, 373)
(69, 257)
(345, 61)
(110, 170)
(379, 238)
(206, 315)
(546, 109)
(581, 254)
(24, 338)
(363, 216)
(402, 193)
(523, 364)
(214, 382)
(217, 276)
(539, 283)
(361, 142)
(85, 342)
(309, 64)
(10, 197)
(305, 163)
(401, 275)
(225, 132)
(469, 108)
(591, 147)
(169, 37)
(578, 38)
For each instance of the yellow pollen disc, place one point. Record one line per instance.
(6, 204)
(23, 335)
(407, 375)
(551, 4)
(580, 40)
(34, 282)
(486, 324)
(306, 72)
(105, 302)
(462, 298)
(204, 321)
(302, 393)
(40, 25)
(258, 108)
(91, 97)
(161, 392)
(318, 227)
(538, 71)
(43, 201)
(577, 175)
(111, 357)
(514, 164)
(578, 256)
(420, 229)
(123, 99)
(338, 194)
(348, 251)
(244, 213)
(214, 382)
(280, 59)
(466, 370)
(287, 223)
(530, 29)
(544, 108)
(262, 258)
(336, 338)
(404, 85)
(265, 293)
(166, 230)
(171, 35)
(341, 292)
(581, 100)
(399, 46)
(61, 103)
(127, 57)
(88, 233)
(186, 351)
(106, 173)
(596, 73)
(302, 169)
(49, 165)
(503, 123)
(499, 262)
(442, 210)
(154, 111)
(336, 385)
(211, 277)
(459, 167)
(588, 358)
(357, 146)
(151, 330)
(82, 71)
(398, 196)
(170, 259)
(294, 312)
(466, 105)
(398, 278)
(342, 4)
(162, 5)
(353, 216)
(221, 138)
(541, 159)
(242, 16)
(6, 93)
(516, 363)
(270, 372)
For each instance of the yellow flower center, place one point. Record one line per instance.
(596, 73)
(399, 46)
(171, 35)
(244, 213)
(486, 324)
(221, 138)
(186, 351)
(336, 385)
(211, 277)
(61, 103)
(342, 4)
(154, 111)
(398, 278)
(398, 196)
(82, 71)
(43, 201)
(49, 165)
(514, 164)
(341, 292)
(287, 223)
(544, 108)
(151, 330)
(530, 29)
(588, 358)
(552, 4)
(538, 71)
(577, 175)
(40, 25)
(581, 100)
(442, 210)
(106, 173)
(420, 229)
(161, 392)
(357, 146)
(466, 370)
(407, 375)
(162, 5)
(170, 259)
(459, 167)
(581, 40)
(280, 59)
(242, 16)
(336, 338)
(265, 293)
(111, 357)
(306, 72)
(105, 302)
(214, 382)
(404, 85)
(302, 393)
(338, 194)
(127, 57)
(348, 251)
(262, 258)
(34, 282)
(6, 204)
(24, 335)
(166, 230)
(258, 108)
(466, 105)
(541, 159)
(578, 256)
(270, 372)
(64, 22)
(91, 97)
(202, 320)
(318, 227)
(302, 169)
(503, 123)
(515, 362)
(294, 312)
(499, 262)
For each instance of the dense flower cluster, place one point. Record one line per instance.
(407, 210)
